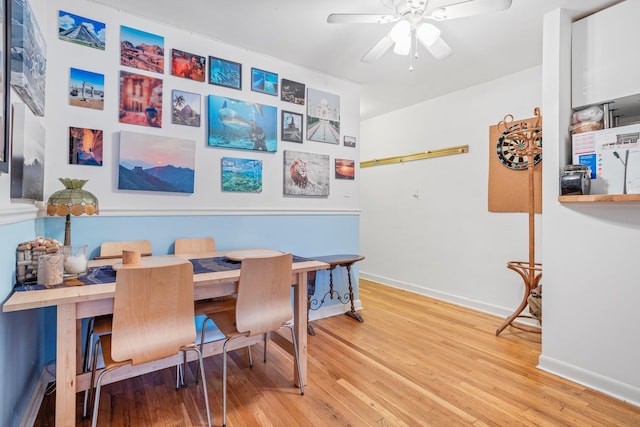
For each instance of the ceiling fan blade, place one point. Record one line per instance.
(360, 18)
(439, 49)
(378, 50)
(468, 8)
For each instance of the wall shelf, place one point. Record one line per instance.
(599, 198)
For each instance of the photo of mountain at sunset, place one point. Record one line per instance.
(156, 163)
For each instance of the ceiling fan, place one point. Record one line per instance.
(410, 27)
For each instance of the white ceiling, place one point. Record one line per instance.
(485, 47)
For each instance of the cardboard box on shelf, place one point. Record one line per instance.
(614, 158)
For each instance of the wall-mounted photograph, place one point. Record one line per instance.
(225, 73)
(27, 157)
(188, 65)
(86, 89)
(140, 100)
(141, 50)
(156, 163)
(291, 126)
(28, 56)
(186, 108)
(80, 30)
(85, 146)
(264, 82)
(292, 92)
(350, 141)
(345, 169)
(244, 125)
(241, 175)
(323, 116)
(305, 174)
(4, 93)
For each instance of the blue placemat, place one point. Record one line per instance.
(96, 275)
(106, 273)
(209, 265)
(93, 276)
(221, 263)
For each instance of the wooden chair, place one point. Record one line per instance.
(152, 320)
(114, 249)
(263, 306)
(194, 245)
(199, 245)
(102, 324)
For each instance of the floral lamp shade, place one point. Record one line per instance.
(72, 200)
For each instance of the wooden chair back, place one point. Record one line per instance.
(114, 249)
(152, 312)
(264, 294)
(194, 245)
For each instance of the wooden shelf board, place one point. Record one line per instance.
(598, 198)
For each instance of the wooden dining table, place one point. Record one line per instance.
(74, 303)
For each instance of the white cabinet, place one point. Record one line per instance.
(606, 57)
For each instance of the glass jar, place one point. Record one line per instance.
(575, 180)
(50, 270)
(75, 259)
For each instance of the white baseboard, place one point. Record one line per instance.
(608, 386)
(333, 310)
(31, 413)
(503, 312)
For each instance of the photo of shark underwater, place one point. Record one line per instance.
(243, 125)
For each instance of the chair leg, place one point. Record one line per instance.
(224, 383)
(179, 375)
(202, 333)
(265, 348)
(88, 394)
(94, 419)
(295, 355)
(184, 370)
(250, 356)
(88, 345)
(204, 381)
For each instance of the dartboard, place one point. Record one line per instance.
(511, 152)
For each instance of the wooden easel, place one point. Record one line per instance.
(528, 142)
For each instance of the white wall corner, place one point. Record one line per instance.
(35, 400)
(606, 385)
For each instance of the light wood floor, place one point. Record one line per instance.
(413, 362)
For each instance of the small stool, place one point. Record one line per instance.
(343, 260)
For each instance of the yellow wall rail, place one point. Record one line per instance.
(459, 149)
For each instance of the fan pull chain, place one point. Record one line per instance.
(414, 48)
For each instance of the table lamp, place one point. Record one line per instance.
(72, 200)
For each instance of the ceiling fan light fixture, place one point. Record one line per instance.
(403, 46)
(400, 31)
(410, 30)
(427, 33)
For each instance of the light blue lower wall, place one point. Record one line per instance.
(22, 352)
(303, 235)
(28, 338)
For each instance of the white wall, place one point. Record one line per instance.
(207, 196)
(444, 242)
(590, 256)
(304, 226)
